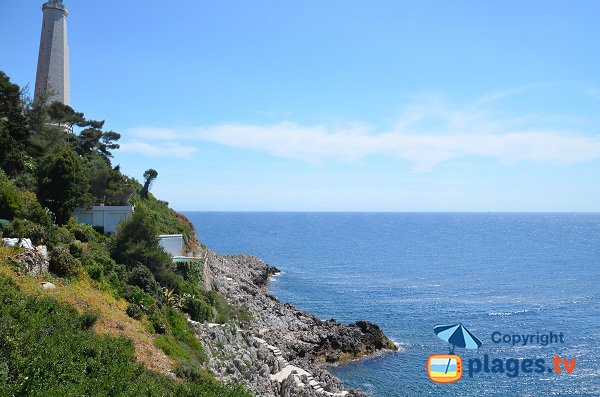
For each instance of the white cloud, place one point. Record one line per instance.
(426, 134)
(424, 150)
(158, 150)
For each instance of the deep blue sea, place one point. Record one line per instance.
(515, 273)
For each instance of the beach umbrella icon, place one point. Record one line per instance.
(457, 335)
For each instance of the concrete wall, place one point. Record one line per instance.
(107, 217)
(172, 244)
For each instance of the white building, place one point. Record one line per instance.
(107, 217)
(172, 243)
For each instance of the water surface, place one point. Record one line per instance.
(512, 273)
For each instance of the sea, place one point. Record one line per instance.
(497, 274)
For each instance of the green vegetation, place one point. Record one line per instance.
(47, 349)
(53, 160)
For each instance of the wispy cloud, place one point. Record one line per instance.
(169, 149)
(427, 133)
(423, 150)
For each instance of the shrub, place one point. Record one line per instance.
(88, 319)
(136, 295)
(23, 228)
(98, 253)
(190, 270)
(62, 263)
(142, 277)
(94, 270)
(76, 249)
(134, 311)
(33, 211)
(136, 243)
(62, 235)
(102, 268)
(82, 232)
(198, 310)
(185, 370)
(171, 347)
(26, 180)
(181, 330)
(10, 199)
(158, 322)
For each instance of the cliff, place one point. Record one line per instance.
(282, 350)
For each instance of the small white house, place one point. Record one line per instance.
(105, 216)
(172, 243)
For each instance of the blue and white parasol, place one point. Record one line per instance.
(457, 335)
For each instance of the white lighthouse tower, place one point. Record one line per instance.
(52, 80)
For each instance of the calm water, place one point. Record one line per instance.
(512, 273)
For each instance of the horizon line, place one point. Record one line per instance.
(391, 212)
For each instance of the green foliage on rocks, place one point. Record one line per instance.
(63, 263)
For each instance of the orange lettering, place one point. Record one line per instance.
(556, 361)
(569, 364)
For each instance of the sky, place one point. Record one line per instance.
(338, 105)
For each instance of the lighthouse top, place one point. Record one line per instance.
(55, 4)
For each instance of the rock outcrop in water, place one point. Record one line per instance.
(282, 351)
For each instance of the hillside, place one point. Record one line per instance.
(89, 313)
(117, 315)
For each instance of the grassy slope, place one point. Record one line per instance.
(46, 350)
(82, 295)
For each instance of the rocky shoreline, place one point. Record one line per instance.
(283, 349)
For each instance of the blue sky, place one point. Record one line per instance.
(339, 105)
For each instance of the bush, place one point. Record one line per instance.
(61, 235)
(181, 330)
(88, 319)
(158, 322)
(198, 310)
(10, 200)
(136, 243)
(76, 249)
(166, 278)
(142, 277)
(33, 211)
(190, 270)
(94, 270)
(23, 228)
(185, 370)
(103, 269)
(82, 232)
(26, 180)
(171, 347)
(166, 219)
(136, 295)
(134, 311)
(62, 263)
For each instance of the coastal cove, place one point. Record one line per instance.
(407, 272)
